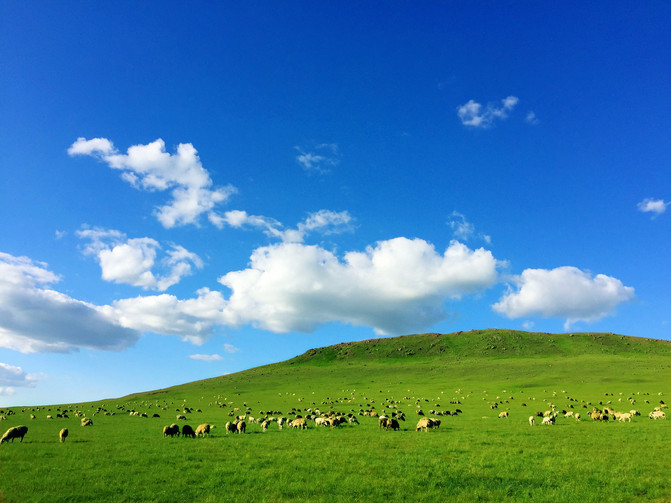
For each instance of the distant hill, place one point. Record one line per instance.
(496, 343)
(427, 361)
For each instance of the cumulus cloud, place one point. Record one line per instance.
(130, 261)
(14, 377)
(397, 286)
(193, 320)
(654, 206)
(565, 292)
(149, 167)
(321, 160)
(323, 221)
(207, 358)
(476, 115)
(34, 317)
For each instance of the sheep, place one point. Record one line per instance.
(549, 420)
(230, 427)
(531, 420)
(657, 414)
(625, 416)
(503, 414)
(424, 424)
(393, 424)
(14, 432)
(321, 421)
(171, 431)
(63, 434)
(181, 417)
(203, 429)
(383, 422)
(187, 431)
(241, 426)
(86, 421)
(299, 423)
(353, 420)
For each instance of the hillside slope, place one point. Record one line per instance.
(434, 361)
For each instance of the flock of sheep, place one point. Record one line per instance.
(388, 418)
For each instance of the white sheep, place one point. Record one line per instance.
(531, 420)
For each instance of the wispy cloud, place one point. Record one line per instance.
(463, 229)
(474, 114)
(149, 167)
(322, 221)
(654, 206)
(207, 358)
(531, 118)
(320, 160)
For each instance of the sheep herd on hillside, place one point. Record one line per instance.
(387, 414)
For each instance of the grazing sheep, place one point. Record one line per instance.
(299, 423)
(241, 426)
(171, 431)
(86, 421)
(657, 414)
(531, 420)
(503, 414)
(202, 430)
(393, 425)
(181, 417)
(230, 427)
(549, 420)
(63, 434)
(187, 431)
(353, 420)
(625, 416)
(14, 432)
(321, 421)
(384, 422)
(424, 424)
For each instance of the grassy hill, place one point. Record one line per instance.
(474, 456)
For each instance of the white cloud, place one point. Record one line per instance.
(474, 114)
(564, 292)
(324, 157)
(464, 230)
(150, 167)
(531, 118)
(324, 221)
(14, 377)
(654, 206)
(207, 358)
(193, 320)
(34, 318)
(130, 261)
(397, 286)
(230, 348)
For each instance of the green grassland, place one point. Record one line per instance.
(473, 456)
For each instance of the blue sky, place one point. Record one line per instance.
(189, 191)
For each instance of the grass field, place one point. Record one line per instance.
(474, 456)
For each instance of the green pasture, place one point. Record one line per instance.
(473, 456)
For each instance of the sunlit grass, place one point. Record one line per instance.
(474, 456)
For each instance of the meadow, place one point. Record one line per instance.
(473, 456)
